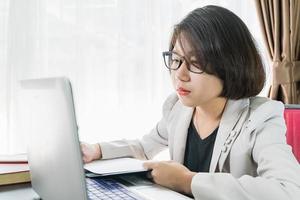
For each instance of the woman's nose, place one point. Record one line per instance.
(182, 73)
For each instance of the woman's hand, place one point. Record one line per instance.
(172, 175)
(90, 152)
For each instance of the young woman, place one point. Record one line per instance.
(224, 142)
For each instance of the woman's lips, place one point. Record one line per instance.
(183, 92)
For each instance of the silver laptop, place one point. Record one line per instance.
(54, 155)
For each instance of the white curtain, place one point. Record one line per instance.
(110, 50)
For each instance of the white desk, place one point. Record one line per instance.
(17, 192)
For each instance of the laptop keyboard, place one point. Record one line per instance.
(107, 189)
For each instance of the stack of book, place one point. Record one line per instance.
(14, 169)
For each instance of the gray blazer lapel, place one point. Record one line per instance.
(230, 117)
(180, 133)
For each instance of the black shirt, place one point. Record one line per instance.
(198, 152)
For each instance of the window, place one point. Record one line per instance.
(110, 50)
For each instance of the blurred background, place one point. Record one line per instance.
(109, 49)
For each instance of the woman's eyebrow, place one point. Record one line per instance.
(191, 55)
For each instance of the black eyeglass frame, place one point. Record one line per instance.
(181, 60)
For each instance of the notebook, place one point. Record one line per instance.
(114, 167)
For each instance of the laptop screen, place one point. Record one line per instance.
(54, 156)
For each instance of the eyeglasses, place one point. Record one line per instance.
(173, 61)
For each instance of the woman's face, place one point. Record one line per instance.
(193, 89)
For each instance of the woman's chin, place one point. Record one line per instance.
(186, 101)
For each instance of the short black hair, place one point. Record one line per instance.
(225, 48)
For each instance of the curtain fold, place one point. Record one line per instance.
(279, 20)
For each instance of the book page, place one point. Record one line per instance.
(115, 166)
(13, 168)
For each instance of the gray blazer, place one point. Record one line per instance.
(250, 160)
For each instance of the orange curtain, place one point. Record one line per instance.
(280, 24)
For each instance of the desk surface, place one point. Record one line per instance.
(25, 192)
(17, 192)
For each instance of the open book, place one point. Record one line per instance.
(114, 167)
